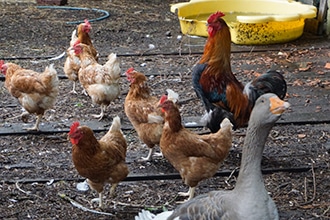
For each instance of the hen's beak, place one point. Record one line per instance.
(278, 106)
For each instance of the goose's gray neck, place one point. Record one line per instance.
(254, 144)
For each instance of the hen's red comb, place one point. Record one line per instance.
(163, 99)
(74, 127)
(214, 16)
(87, 22)
(76, 43)
(1, 63)
(130, 70)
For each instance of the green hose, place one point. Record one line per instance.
(106, 14)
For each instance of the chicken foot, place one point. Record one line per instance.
(99, 199)
(84, 92)
(36, 125)
(24, 116)
(74, 88)
(151, 153)
(113, 188)
(148, 158)
(100, 116)
(190, 193)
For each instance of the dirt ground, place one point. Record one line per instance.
(36, 168)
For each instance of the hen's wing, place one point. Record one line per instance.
(71, 67)
(187, 144)
(114, 147)
(27, 81)
(143, 111)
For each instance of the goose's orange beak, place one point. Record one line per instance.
(278, 106)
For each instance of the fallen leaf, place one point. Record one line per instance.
(298, 82)
(304, 66)
(303, 51)
(314, 82)
(327, 66)
(256, 74)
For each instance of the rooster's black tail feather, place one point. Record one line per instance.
(270, 82)
(214, 117)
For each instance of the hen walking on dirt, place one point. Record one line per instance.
(100, 81)
(142, 110)
(196, 157)
(72, 62)
(100, 161)
(36, 92)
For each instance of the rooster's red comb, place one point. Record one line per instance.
(214, 16)
(163, 99)
(74, 127)
(130, 70)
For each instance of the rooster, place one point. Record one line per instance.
(142, 110)
(100, 161)
(196, 157)
(101, 82)
(36, 92)
(72, 62)
(222, 94)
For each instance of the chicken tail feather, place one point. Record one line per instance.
(113, 66)
(116, 125)
(269, 82)
(49, 78)
(74, 38)
(225, 123)
(173, 96)
(51, 69)
(215, 117)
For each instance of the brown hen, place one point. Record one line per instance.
(196, 157)
(72, 62)
(100, 161)
(142, 110)
(36, 92)
(101, 82)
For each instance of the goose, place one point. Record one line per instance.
(249, 200)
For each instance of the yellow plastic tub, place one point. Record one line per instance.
(250, 21)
